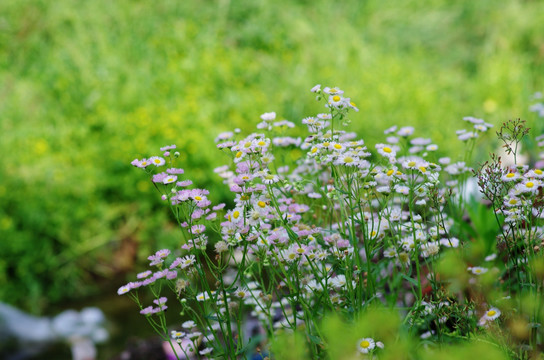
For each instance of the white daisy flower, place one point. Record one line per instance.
(157, 160)
(188, 324)
(492, 314)
(478, 270)
(268, 116)
(366, 345)
(510, 176)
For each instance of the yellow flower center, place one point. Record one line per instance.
(332, 90)
(510, 175)
(261, 204)
(348, 159)
(538, 172)
(247, 144)
(423, 169)
(387, 149)
(364, 344)
(326, 143)
(491, 312)
(261, 143)
(513, 202)
(198, 198)
(314, 150)
(336, 98)
(157, 161)
(390, 172)
(352, 104)
(337, 146)
(236, 214)
(239, 154)
(530, 184)
(412, 164)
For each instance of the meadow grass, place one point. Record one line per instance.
(86, 86)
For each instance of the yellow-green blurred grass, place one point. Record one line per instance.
(88, 86)
(339, 339)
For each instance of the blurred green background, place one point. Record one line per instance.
(87, 86)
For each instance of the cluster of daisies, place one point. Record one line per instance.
(337, 229)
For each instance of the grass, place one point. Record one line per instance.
(88, 86)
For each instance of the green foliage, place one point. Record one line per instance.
(289, 346)
(472, 350)
(376, 322)
(88, 86)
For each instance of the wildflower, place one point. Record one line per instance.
(144, 274)
(512, 201)
(202, 297)
(477, 270)
(336, 101)
(176, 334)
(405, 131)
(431, 147)
(159, 256)
(426, 334)
(174, 171)
(157, 161)
(124, 289)
(463, 135)
(197, 229)
(510, 176)
(347, 160)
(324, 116)
(390, 130)
(194, 335)
(386, 150)
(430, 249)
(490, 257)
(169, 179)
(270, 179)
(168, 147)
(148, 311)
(534, 174)
(529, 186)
(473, 120)
(390, 253)
(242, 293)
(492, 314)
(352, 105)
(316, 88)
(332, 91)
(141, 163)
(206, 351)
(270, 116)
(224, 136)
(366, 345)
(188, 261)
(452, 242)
(188, 324)
(160, 301)
(402, 189)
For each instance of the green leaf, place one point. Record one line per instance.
(409, 279)
(314, 339)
